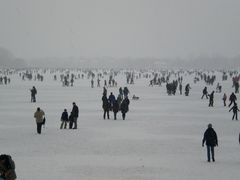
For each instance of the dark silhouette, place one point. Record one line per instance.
(39, 116)
(106, 106)
(124, 107)
(115, 109)
(187, 89)
(232, 99)
(224, 99)
(211, 99)
(74, 114)
(7, 168)
(205, 93)
(64, 119)
(210, 137)
(33, 94)
(235, 111)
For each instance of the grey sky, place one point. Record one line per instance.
(120, 28)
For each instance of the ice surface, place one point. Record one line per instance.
(160, 138)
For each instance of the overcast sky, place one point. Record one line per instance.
(120, 28)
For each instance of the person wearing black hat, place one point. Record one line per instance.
(210, 137)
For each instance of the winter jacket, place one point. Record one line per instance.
(7, 169)
(106, 105)
(210, 137)
(64, 116)
(115, 107)
(124, 105)
(232, 97)
(75, 111)
(39, 116)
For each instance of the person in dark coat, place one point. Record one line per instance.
(232, 99)
(210, 137)
(115, 109)
(124, 107)
(106, 106)
(111, 99)
(211, 99)
(7, 168)
(235, 111)
(74, 113)
(33, 94)
(70, 119)
(205, 93)
(224, 99)
(64, 119)
(187, 88)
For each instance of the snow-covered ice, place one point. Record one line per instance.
(160, 138)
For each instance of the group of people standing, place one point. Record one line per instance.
(210, 136)
(112, 104)
(39, 116)
(72, 119)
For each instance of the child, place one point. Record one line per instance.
(64, 119)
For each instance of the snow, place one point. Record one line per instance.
(160, 138)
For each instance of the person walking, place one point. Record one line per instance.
(64, 119)
(211, 99)
(106, 106)
(210, 137)
(224, 99)
(232, 99)
(74, 114)
(235, 111)
(205, 93)
(115, 109)
(124, 107)
(39, 116)
(33, 94)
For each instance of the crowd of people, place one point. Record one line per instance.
(121, 102)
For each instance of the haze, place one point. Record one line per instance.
(120, 28)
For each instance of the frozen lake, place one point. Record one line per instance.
(160, 138)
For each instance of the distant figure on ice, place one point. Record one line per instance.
(235, 111)
(111, 99)
(92, 83)
(98, 82)
(39, 116)
(180, 88)
(104, 91)
(224, 99)
(218, 88)
(205, 93)
(125, 91)
(115, 109)
(211, 99)
(210, 137)
(106, 106)
(74, 114)
(187, 89)
(33, 94)
(64, 119)
(124, 107)
(7, 168)
(135, 97)
(232, 99)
